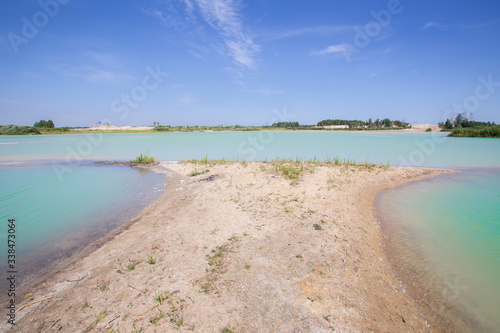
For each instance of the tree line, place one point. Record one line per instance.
(462, 121)
(378, 123)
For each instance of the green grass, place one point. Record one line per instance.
(160, 298)
(133, 264)
(100, 316)
(216, 257)
(209, 162)
(151, 260)
(155, 320)
(85, 305)
(478, 132)
(205, 288)
(144, 158)
(196, 172)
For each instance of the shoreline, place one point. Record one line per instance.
(437, 295)
(308, 281)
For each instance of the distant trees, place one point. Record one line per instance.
(286, 124)
(462, 121)
(44, 124)
(377, 124)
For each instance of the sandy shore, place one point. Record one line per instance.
(238, 247)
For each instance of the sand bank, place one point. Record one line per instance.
(239, 247)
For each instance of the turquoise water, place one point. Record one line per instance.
(448, 225)
(451, 226)
(418, 149)
(55, 218)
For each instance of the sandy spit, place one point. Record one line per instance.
(238, 247)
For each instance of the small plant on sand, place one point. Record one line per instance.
(155, 320)
(132, 265)
(100, 316)
(205, 288)
(160, 298)
(226, 330)
(85, 305)
(317, 226)
(216, 257)
(103, 286)
(288, 171)
(144, 158)
(196, 172)
(151, 259)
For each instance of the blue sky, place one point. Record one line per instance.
(210, 62)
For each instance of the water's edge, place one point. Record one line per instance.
(420, 282)
(79, 243)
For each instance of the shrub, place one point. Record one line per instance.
(18, 130)
(144, 159)
(482, 132)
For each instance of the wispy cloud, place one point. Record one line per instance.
(202, 16)
(90, 74)
(460, 26)
(223, 16)
(158, 15)
(333, 49)
(317, 30)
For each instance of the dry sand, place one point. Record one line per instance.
(237, 247)
(119, 128)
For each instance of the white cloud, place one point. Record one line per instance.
(223, 16)
(459, 26)
(332, 49)
(318, 30)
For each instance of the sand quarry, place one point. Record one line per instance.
(239, 247)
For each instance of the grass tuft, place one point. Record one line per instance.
(144, 158)
(196, 172)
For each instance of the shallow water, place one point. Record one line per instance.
(417, 149)
(450, 226)
(55, 218)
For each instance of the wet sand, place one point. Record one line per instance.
(243, 247)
